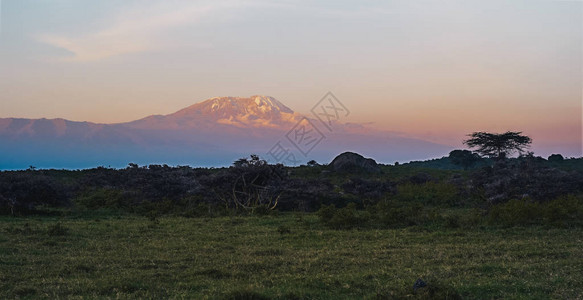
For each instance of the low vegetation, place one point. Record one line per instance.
(258, 188)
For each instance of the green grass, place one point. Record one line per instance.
(287, 256)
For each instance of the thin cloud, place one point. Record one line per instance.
(143, 28)
(136, 29)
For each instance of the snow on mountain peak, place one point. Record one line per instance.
(254, 111)
(262, 107)
(269, 103)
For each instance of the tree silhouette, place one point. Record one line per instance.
(498, 145)
(463, 158)
(312, 163)
(252, 161)
(556, 158)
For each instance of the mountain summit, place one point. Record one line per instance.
(237, 105)
(255, 111)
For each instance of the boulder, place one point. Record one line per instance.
(353, 162)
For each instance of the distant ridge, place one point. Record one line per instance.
(213, 132)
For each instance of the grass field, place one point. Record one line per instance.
(288, 256)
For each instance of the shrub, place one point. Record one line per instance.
(452, 221)
(261, 210)
(22, 191)
(562, 211)
(203, 209)
(514, 212)
(391, 214)
(101, 198)
(326, 213)
(283, 229)
(368, 189)
(471, 218)
(25, 230)
(401, 214)
(429, 193)
(57, 230)
(525, 177)
(304, 194)
(342, 218)
(466, 218)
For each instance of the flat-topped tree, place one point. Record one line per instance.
(498, 145)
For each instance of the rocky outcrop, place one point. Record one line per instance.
(353, 162)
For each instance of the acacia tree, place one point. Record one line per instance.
(498, 145)
(253, 161)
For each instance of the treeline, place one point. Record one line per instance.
(400, 195)
(191, 191)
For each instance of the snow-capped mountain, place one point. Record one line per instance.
(213, 132)
(253, 112)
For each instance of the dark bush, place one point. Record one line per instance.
(326, 213)
(515, 212)
(452, 221)
(420, 178)
(562, 211)
(284, 229)
(341, 218)
(368, 189)
(102, 198)
(21, 192)
(525, 178)
(247, 186)
(57, 230)
(203, 209)
(400, 214)
(301, 194)
(429, 193)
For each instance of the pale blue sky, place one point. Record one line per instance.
(436, 69)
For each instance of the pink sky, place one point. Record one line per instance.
(432, 69)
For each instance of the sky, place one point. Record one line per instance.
(437, 70)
